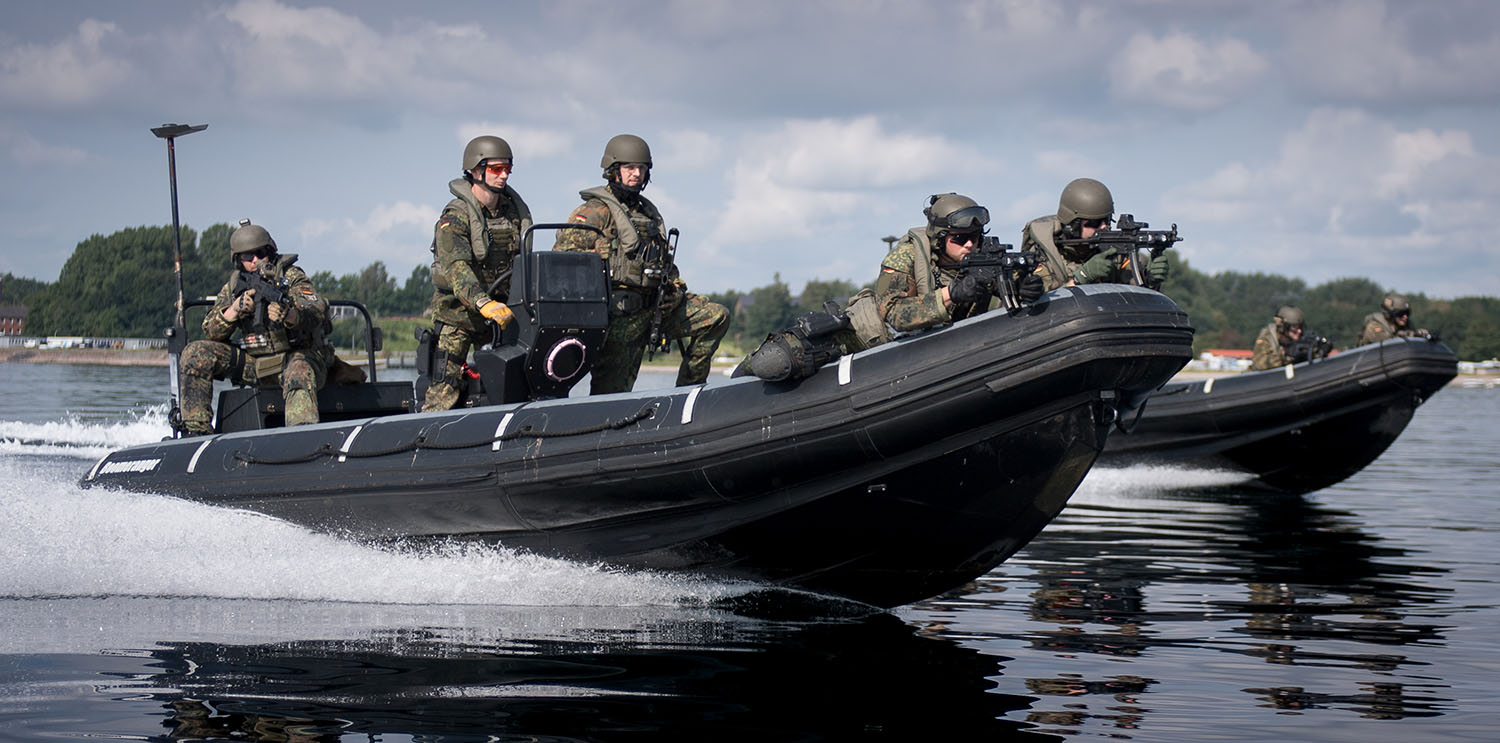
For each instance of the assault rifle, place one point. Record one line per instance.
(1309, 347)
(997, 265)
(267, 293)
(662, 267)
(1129, 237)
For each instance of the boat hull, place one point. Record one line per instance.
(889, 476)
(1296, 429)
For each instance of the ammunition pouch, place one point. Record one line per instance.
(625, 302)
(870, 329)
(268, 368)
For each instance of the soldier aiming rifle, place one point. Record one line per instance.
(1006, 273)
(1124, 243)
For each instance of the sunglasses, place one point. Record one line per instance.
(1095, 224)
(261, 252)
(498, 168)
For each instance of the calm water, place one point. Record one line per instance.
(1163, 605)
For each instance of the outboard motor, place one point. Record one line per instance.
(561, 304)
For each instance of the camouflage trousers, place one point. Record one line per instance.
(699, 323)
(302, 375)
(454, 342)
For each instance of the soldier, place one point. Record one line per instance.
(284, 346)
(1271, 345)
(1085, 207)
(634, 246)
(919, 285)
(1390, 322)
(474, 241)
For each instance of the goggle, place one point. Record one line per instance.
(1095, 224)
(498, 167)
(967, 219)
(1401, 313)
(263, 251)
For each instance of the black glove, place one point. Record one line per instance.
(967, 289)
(1029, 289)
(1096, 269)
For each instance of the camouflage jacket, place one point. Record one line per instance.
(472, 247)
(1057, 269)
(1268, 353)
(633, 242)
(906, 291)
(1378, 327)
(312, 314)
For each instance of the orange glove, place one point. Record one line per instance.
(497, 312)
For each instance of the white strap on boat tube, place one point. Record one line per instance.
(1208, 385)
(97, 465)
(846, 366)
(1290, 372)
(193, 463)
(687, 407)
(500, 430)
(344, 450)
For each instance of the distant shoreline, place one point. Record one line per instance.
(100, 356)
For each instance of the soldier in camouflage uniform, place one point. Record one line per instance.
(1086, 206)
(290, 351)
(1391, 321)
(634, 246)
(920, 285)
(474, 242)
(1270, 346)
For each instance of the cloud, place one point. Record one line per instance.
(69, 73)
(1180, 71)
(27, 150)
(688, 150)
(526, 142)
(1396, 54)
(398, 234)
(793, 181)
(1350, 193)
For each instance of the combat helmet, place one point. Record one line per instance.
(951, 212)
(247, 238)
(1289, 317)
(1085, 198)
(625, 148)
(1394, 304)
(484, 148)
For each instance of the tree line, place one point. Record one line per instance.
(122, 285)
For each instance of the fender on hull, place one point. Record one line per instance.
(1296, 429)
(889, 476)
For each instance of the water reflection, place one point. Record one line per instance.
(865, 678)
(1148, 578)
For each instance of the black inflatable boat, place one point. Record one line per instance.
(1297, 428)
(889, 476)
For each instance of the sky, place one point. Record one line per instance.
(1320, 139)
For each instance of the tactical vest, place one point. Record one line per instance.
(494, 241)
(639, 242)
(927, 272)
(278, 339)
(1039, 231)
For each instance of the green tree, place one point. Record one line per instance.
(816, 292)
(770, 309)
(16, 290)
(121, 285)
